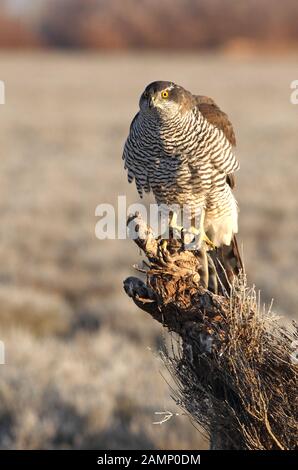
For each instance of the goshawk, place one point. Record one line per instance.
(180, 147)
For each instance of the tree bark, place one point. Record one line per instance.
(233, 366)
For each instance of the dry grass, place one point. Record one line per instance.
(242, 389)
(78, 370)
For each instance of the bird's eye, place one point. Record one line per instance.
(165, 94)
(145, 94)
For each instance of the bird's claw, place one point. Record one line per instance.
(202, 237)
(208, 242)
(162, 249)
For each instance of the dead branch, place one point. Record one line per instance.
(233, 365)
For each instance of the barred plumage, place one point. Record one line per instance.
(180, 148)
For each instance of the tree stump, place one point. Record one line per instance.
(234, 365)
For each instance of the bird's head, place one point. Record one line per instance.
(165, 99)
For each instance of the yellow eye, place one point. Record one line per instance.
(165, 94)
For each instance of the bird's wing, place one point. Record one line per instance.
(225, 257)
(134, 162)
(219, 119)
(133, 121)
(216, 116)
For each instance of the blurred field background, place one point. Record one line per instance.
(81, 361)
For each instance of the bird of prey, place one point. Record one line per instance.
(180, 147)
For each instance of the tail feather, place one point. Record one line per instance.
(231, 258)
(228, 262)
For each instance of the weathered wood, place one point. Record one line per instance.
(233, 366)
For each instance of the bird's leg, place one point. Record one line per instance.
(200, 232)
(172, 227)
(202, 237)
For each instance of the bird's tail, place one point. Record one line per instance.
(230, 257)
(228, 263)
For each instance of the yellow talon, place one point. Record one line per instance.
(164, 245)
(193, 230)
(208, 242)
(202, 238)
